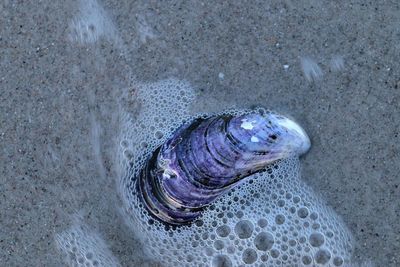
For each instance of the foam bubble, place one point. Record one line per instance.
(316, 239)
(244, 229)
(270, 218)
(249, 256)
(223, 230)
(322, 256)
(264, 241)
(221, 261)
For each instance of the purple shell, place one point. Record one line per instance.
(205, 158)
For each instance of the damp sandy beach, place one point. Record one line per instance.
(68, 68)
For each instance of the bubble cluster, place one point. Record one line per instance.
(271, 218)
(82, 246)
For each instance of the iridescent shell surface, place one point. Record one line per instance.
(208, 156)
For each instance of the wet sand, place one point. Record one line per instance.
(334, 67)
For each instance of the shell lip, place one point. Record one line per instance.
(301, 139)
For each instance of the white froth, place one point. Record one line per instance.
(312, 71)
(83, 247)
(91, 23)
(337, 63)
(271, 219)
(144, 30)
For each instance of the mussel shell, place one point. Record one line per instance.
(206, 157)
